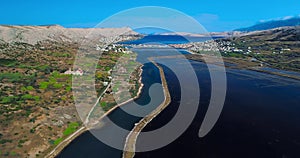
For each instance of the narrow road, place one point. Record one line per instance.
(92, 109)
(66, 141)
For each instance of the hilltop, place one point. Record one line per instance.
(34, 34)
(271, 24)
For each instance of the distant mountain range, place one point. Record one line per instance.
(292, 21)
(57, 33)
(33, 34)
(287, 33)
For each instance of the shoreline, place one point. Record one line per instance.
(59, 148)
(240, 66)
(129, 147)
(54, 152)
(131, 138)
(129, 100)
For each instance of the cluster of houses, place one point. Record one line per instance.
(225, 47)
(205, 46)
(78, 72)
(182, 46)
(112, 47)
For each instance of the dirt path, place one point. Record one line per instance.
(54, 152)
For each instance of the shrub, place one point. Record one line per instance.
(68, 88)
(30, 88)
(8, 62)
(11, 77)
(44, 85)
(57, 85)
(3, 141)
(103, 104)
(32, 130)
(30, 97)
(44, 68)
(7, 100)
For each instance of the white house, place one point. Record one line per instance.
(105, 83)
(78, 72)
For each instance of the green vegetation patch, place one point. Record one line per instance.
(7, 99)
(108, 106)
(44, 85)
(57, 85)
(72, 127)
(17, 77)
(103, 104)
(232, 54)
(56, 75)
(8, 62)
(68, 88)
(11, 77)
(59, 54)
(116, 87)
(53, 81)
(3, 141)
(57, 141)
(27, 88)
(30, 97)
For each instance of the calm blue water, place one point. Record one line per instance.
(87, 145)
(168, 39)
(260, 118)
(281, 71)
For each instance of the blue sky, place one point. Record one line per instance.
(213, 15)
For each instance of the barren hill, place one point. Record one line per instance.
(291, 33)
(33, 34)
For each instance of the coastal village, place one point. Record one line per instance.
(248, 53)
(224, 47)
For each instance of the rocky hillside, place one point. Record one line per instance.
(278, 48)
(33, 34)
(294, 21)
(276, 34)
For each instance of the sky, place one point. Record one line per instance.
(215, 16)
